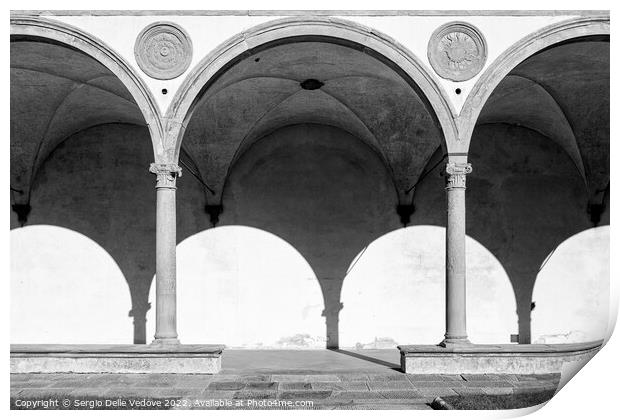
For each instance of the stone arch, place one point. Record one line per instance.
(328, 30)
(36, 27)
(516, 54)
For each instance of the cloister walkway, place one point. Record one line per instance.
(316, 379)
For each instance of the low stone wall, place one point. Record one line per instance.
(494, 359)
(115, 359)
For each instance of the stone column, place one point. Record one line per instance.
(456, 330)
(165, 244)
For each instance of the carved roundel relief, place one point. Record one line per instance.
(163, 50)
(457, 51)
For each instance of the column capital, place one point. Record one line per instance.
(167, 173)
(456, 174)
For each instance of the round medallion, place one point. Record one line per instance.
(163, 50)
(457, 51)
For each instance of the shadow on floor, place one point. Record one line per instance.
(367, 358)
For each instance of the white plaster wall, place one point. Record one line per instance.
(245, 287)
(394, 293)
(572, 291)
(65, 288)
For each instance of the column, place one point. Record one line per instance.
(456, 330)
(165, 248)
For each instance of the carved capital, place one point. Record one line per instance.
(456, 174)
(167, 174)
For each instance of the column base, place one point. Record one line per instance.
(165, 342)
(452, 343)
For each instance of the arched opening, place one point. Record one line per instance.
(310, 136)
(81, 128)
(572, 291)
(65, 289)
(402, 306)
(246, 288)
(540, 149)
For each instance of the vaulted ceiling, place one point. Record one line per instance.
(311, 82)
(57, 91)
(563, 93)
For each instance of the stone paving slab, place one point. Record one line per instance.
(254, 378)
(436, 392)
(226, 386)
(224, 378)
(340, 386)
(288, 378)
(262, 386)
(495, 384)
(479, 377)
(402, 395)
(255, 395)
(384, 377)
(356, 395)
(91, 392)
(497, 391)
(304, 395)
(353, 377)
(38, 392)
(115, 379)
(294, 386)
(437, 384)
(31, 384)
(194, 382)
(464, 391)
(322, 378)
(327, 391)
(207, 394)
(147, 392)
(533, 389)
(394, 385)
(381, 405)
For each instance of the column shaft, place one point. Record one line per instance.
(165, 270)
(456, 326)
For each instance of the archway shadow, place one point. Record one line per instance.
(367, 358)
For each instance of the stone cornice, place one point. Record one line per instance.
(312, 12)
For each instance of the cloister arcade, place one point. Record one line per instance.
(322, 198)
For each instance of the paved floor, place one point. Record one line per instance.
(253, 379)
(309, 361)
